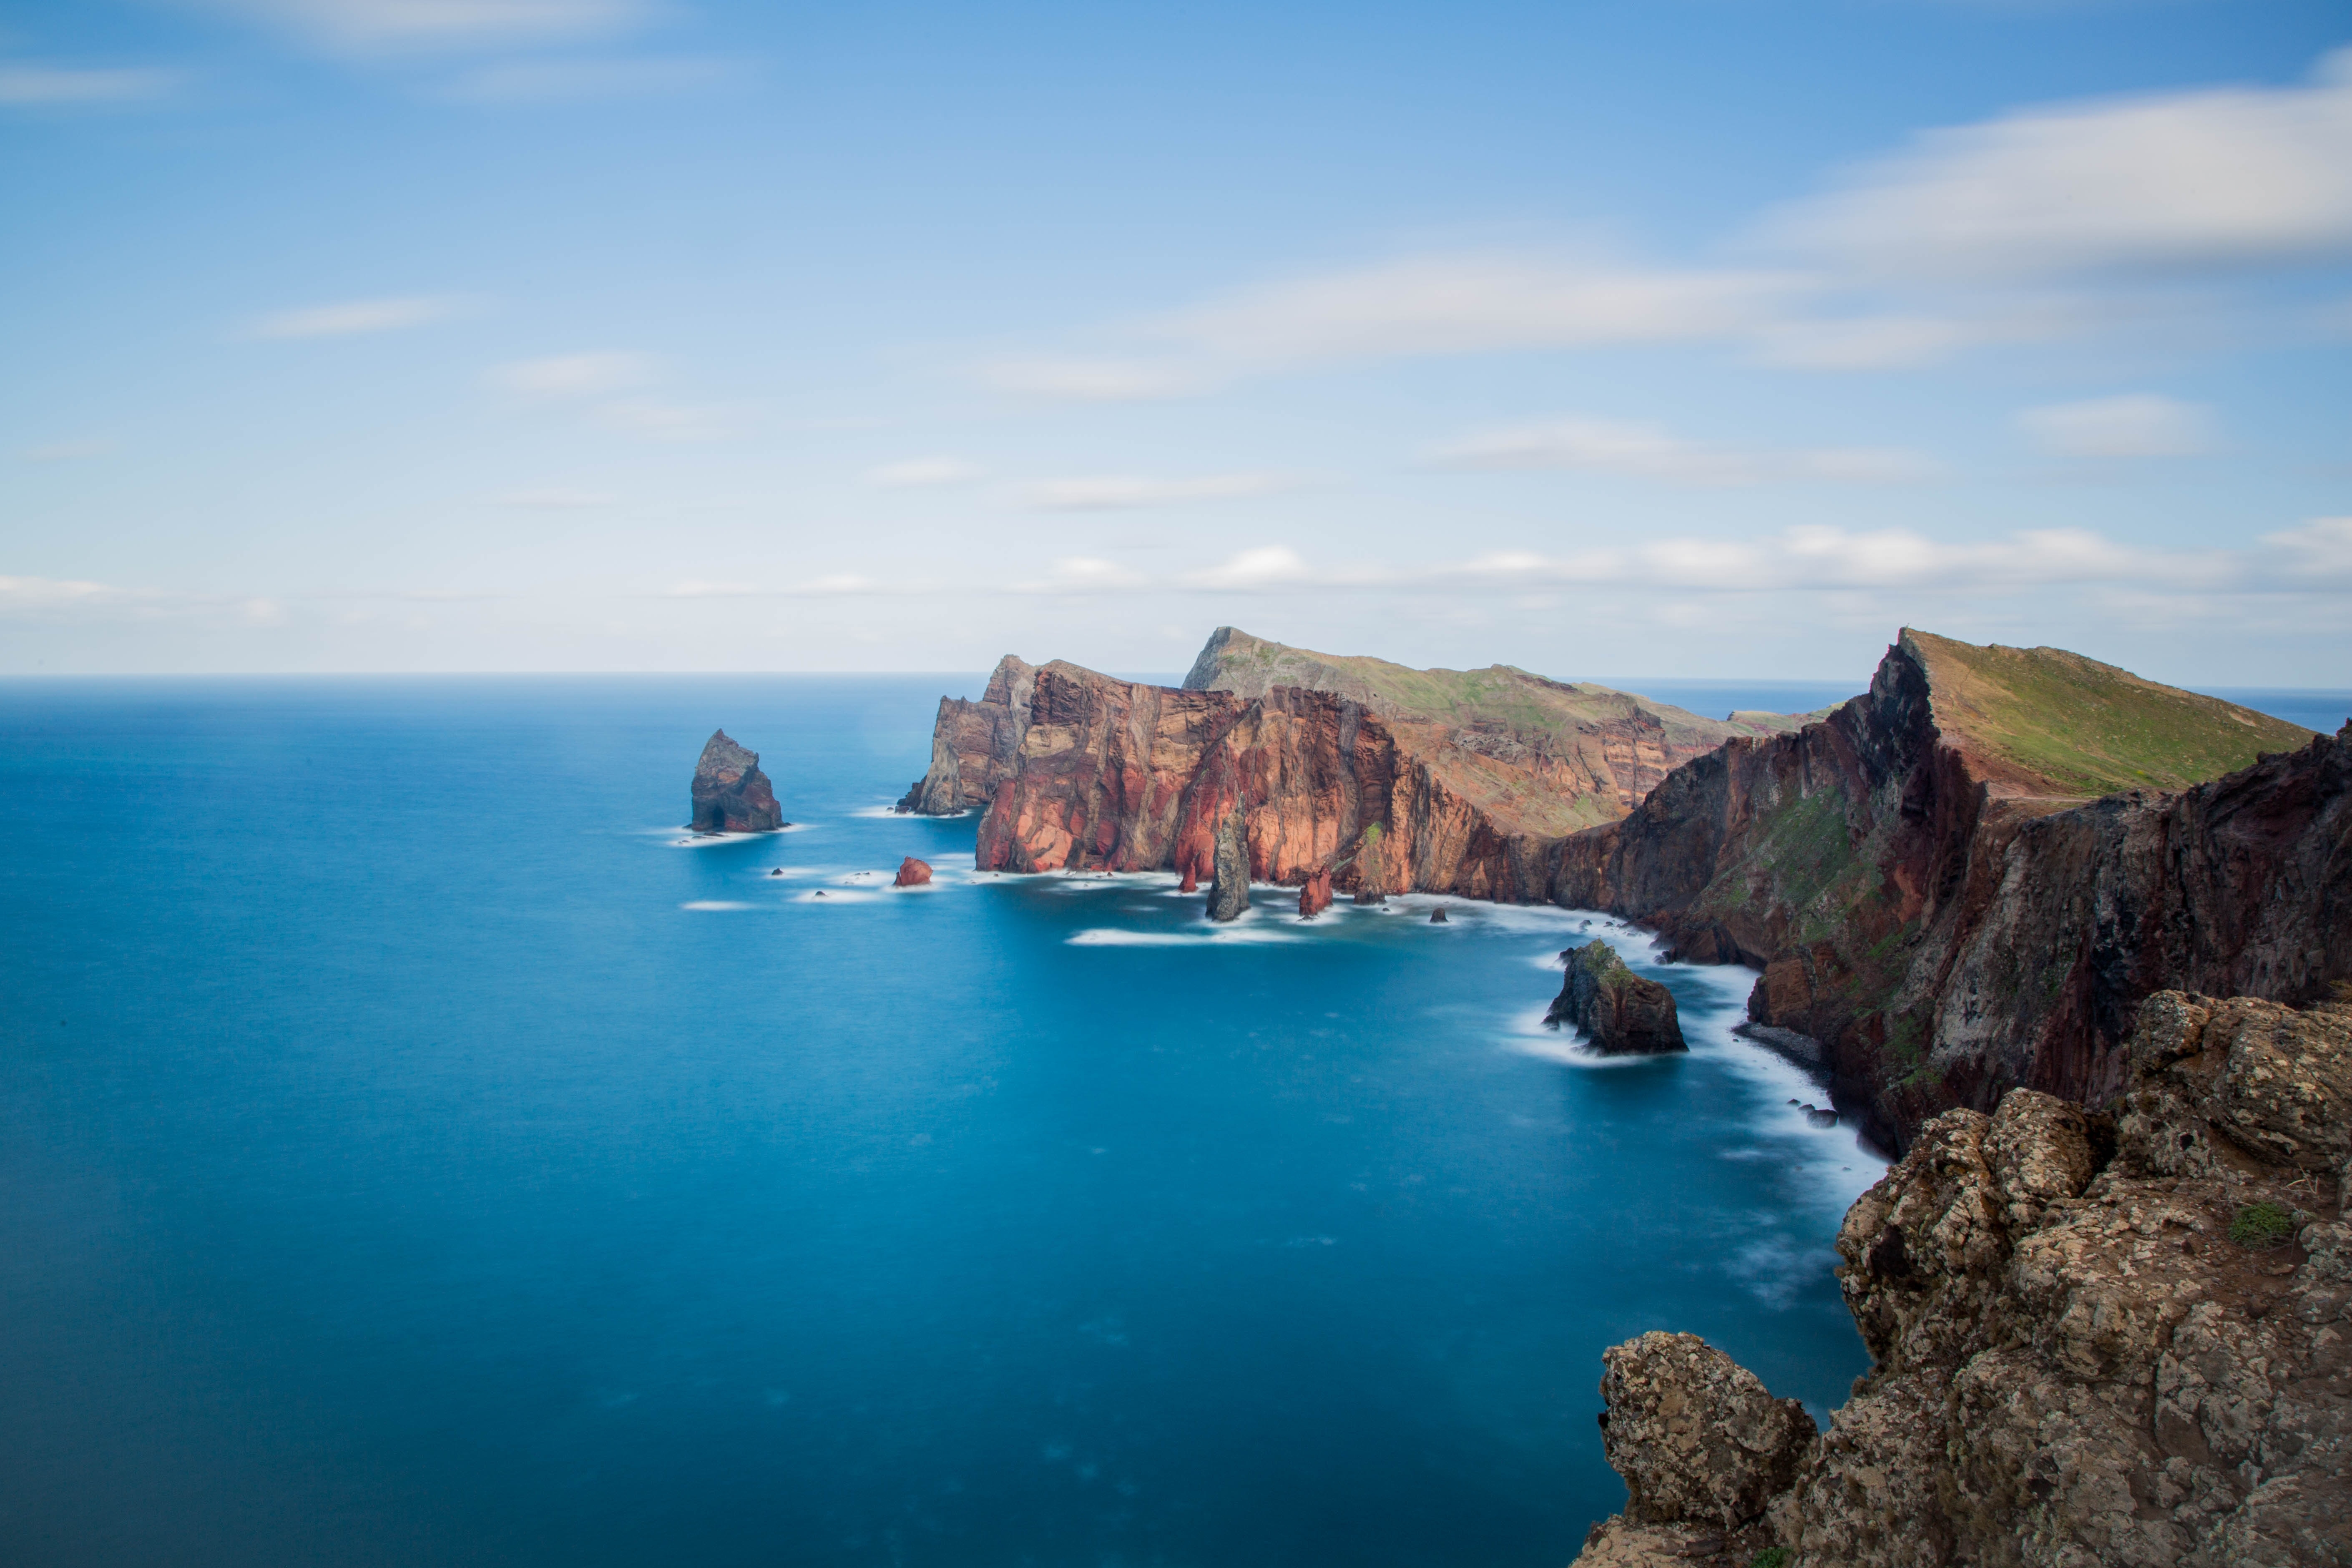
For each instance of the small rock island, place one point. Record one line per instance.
(730, 793)
(1619, 1012)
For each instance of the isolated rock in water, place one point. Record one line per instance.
(1617, 1010)
(1315, 895)
(1437, 916)
(1696, 1436)
(913, 873)
(731, 793)
(1229, 883)
(1192, 883)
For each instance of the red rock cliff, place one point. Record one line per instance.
(1929, 895)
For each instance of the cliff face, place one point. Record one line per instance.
(730, 793)
(1618, 1012)
(1472, 779)
(1932, 898)
(2096, 1342)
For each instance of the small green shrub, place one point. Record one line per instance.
(2262, 1226)
(1770, 1557)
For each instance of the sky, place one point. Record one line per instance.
(1693, 338)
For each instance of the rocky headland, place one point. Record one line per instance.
(1966, 879)
(730, 793)
(1617, 1011)
(1467, 779)
(2112, 1335)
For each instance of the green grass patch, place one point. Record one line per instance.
(1770, 1557)
(2262, 1226)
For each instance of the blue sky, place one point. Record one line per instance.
(1691, 337)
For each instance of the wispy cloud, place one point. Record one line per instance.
(2320, 550)
(1649, 452)
(657, 421)
(353, 317)
(917, 473)
(26, 85)
(2139, 426)
(1084, 575)
(1118, 492)
(2214, 179)
(587, 81)
(67, 451)
(554, 498)
(390, 27)
(573, 374)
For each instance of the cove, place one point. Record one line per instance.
(418, 1150)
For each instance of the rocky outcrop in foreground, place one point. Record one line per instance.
(1229, 882)
(1315, 895)
(2110, 1338)
(912, 873)
(730, 793)
(1619, 1012)
(1935, 902)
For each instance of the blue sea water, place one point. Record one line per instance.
(414, 1150)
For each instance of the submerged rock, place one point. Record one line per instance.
(1315, 895)
(1616, 1010)
(730, 793)
(912, 873)
(1229, 884)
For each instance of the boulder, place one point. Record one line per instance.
(912, 873)
(1696, 1435)
(1617, 1010)
(730, 793)
(1437, 916)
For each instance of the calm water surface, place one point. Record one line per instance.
(413, 1154)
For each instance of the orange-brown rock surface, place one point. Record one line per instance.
(1313, 895)
(912, 873)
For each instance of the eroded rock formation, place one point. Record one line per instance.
(1931, 898)
(912, 873)
(1313, 895)
(2100, 1339)
(1472, 777)
(1617, 1011)
(1229, 884)
(730, 793)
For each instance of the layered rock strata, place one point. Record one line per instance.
(1473, 778)
(730, 794)
(1935, 903)
(2119, 1338)
(1618, 1012)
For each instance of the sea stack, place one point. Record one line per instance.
(913, 873)
(1619, 1012)
(731, 793)
(1372, 867)
(1229, 878)
(1315, 895)
(1437, 916)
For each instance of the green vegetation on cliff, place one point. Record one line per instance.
(2085, 728)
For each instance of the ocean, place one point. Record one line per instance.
(418, 1150)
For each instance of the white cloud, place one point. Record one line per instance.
(46, 593)
(574, 81)
(694, 588)
(916, 473)
(378, 27)
(573, 375)
(665, 421)
(2215, 178)
(1268, 567)
(67, 451)
(1084, 575)
(28, 86)
(353, 317)
(1108, 492)
(2321, 549)
(554, 498)
(1649, 452)
(2139, 426)
(1427, 305)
